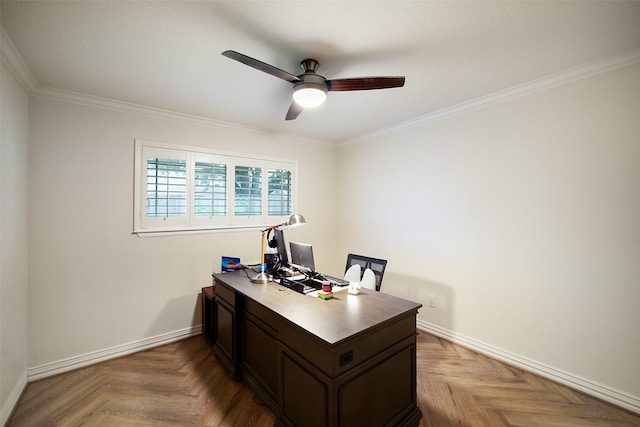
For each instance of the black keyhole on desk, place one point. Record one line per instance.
(346, 357)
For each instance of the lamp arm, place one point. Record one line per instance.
(274, 226)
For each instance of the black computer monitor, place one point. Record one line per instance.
(282, 247)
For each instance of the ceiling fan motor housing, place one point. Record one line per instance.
(310, 79)
(309, 65)
(311, 91)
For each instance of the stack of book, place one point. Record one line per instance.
(325, 295)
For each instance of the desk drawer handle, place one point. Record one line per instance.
(346, 357)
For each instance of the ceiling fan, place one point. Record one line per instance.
(310, 89)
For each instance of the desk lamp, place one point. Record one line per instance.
(293, 221)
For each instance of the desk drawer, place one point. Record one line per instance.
(336, 360)
(225, 293)
(266, 316)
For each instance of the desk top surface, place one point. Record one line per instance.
(333, 320)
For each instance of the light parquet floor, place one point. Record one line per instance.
(459, 387)
(182, 384)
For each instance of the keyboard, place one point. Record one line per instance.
(334, 280)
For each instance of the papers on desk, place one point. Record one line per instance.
(298, 285)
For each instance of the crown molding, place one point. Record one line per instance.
(77, 98)
(18, 68)
(590, 69)
(15, 64)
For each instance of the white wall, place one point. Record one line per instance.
(522, 219)
(14, 105)
(94, 285)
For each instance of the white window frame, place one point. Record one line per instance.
(143, 225)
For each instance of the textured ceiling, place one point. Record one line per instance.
(166, 54)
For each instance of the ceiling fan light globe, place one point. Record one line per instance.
(309, 97)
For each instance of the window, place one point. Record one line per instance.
(186, 189)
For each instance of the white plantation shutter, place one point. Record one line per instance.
(279, 192)
(210, 189)
(186, 189)
(248, 191)
(166, 187)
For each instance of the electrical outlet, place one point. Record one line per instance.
(432, 301)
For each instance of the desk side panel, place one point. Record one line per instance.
(305, 392)
(260, 358)
(383, 394)
(224, 345)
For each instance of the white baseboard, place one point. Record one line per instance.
(600, 391)
(60, 366)
(12, 400)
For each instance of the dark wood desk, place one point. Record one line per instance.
(348, 361)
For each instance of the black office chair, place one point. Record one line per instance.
(376, 265)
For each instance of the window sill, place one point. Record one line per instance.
(189, 231)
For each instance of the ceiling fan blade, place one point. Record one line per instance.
(294, 111)
(262, 66)
(365, 83)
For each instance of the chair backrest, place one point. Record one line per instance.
(377, 265)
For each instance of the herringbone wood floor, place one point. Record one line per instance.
(182, 384)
